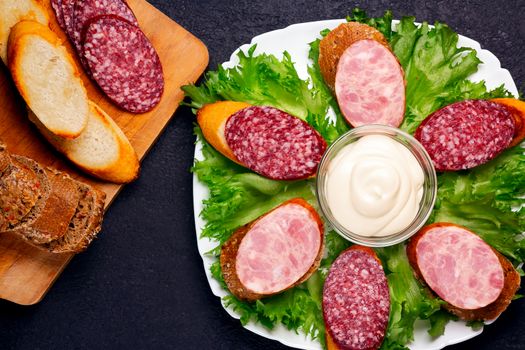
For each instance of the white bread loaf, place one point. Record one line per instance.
(101, 150)
(14, 11)
(47, 78)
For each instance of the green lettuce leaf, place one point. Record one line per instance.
(259, 80)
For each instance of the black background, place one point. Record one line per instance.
(141, 285)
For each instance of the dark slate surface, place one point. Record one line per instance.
(142, 284)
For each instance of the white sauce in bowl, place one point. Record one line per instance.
(374, 186)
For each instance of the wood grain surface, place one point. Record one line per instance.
(27, 273)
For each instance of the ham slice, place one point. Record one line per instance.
(273, 253)
(457, 265)
(369, 85)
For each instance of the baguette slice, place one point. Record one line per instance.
(14, 11)
(52, 219)
(48, 79)
(212, 120)
(267, 253)
(101, 150)
(511, 278)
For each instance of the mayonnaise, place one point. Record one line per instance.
(374, 186)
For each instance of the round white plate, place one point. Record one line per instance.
(295, 39)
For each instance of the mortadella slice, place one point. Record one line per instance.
(475, 281)
(274, 143)
(273, 253)
(369, 85)
(356, 301)
(466, 134)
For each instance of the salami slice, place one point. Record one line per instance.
(68, 8)
(275, 252)
(274, 143)
(466, 134)
(86, 10)
(457, 265)
(124, 63)
(369, 85)
(57, 8)
(356, 300)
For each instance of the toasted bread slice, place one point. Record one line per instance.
(517, 108)
(511, 281)
(212, 120)
(15, 11)
(230, 251)
(337, 41)
(48, 78)
(101, 150)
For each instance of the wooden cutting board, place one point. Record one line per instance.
(27, 273)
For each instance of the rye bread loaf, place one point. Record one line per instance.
(63, 216)
(20, 189)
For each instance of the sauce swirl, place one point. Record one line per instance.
(374, 186)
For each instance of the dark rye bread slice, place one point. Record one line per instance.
(20, 190)
(50, 220)
(230, 249)
(511, 282)
(85, 224)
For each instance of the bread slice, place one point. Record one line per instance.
(337, 41)
(101, 150)
(52, 219)
(5, 158)
(14, 11)
(511, 282)
(85, 224)
(230, 250)
(212, 120)
(47, 78)
(20, 190)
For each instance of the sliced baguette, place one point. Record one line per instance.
(47, 78)
(101, 150)
(14, 11)
(212, 120)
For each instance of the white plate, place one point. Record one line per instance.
(295, 39)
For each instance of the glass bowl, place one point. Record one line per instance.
(429, 185)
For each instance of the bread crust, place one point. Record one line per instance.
(17, 44)
(212, 119)
(510, 285)
(231, 246)
(15, 11)
(126, 166)
(337, 41)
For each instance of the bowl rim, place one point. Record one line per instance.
(430, 184)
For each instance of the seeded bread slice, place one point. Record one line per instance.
(52, 219)
(20, 189)
(85, 224)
